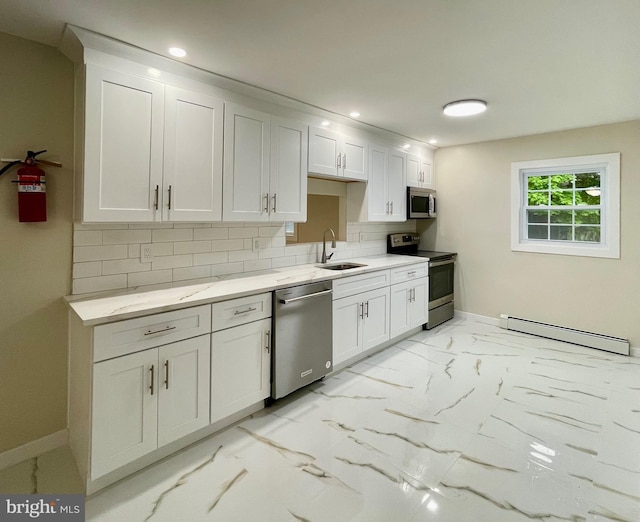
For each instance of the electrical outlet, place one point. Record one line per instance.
(256, 244)
(146, 254)
(362, 237)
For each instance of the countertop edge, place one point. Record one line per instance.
(96, 309)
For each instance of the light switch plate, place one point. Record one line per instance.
(146, 253)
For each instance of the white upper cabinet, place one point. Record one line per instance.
(192, 180)
(123, 134)
(151, 152)
(337, 156)
(420, 171)
(387, 187)
(264, 167)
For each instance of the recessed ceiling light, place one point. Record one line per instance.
(406, 146)
(465, 108)
(325, 123)
(177, 52)
(433, 142)
(354, 114)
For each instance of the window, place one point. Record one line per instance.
(567, 206)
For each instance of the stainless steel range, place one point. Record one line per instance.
(441, 275)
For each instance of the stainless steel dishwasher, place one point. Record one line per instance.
(302, 336)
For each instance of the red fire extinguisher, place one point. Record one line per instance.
(32, 192)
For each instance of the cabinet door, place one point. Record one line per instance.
(354, 159)
(414, 171)
(240, 367)
(324, 147)
(426, 168)
(377, 197)
(183, 388)
(397, 186)
(246, 164)
(125, 410)
(376, 318)
(123, 139)
(400, 312)
(192, 157)
(420, 304)
(347, 328)
(288, 173)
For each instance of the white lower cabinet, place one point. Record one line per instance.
(408, 305)
(240, 367)
(147, 399)
(360, 322)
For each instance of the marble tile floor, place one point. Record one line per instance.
(466, 422)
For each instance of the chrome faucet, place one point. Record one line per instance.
(324, 244)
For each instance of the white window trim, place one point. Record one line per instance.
(610, 200)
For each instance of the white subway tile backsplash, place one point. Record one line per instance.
(107, 257)
(90, 269)
(119, 237)
(211, 258)
(200, 234)
(99, 284)
(172, 234)
(124, 266)
(160, 263)
(149, 278)
(87, 237)
(99, 253)
(192, 247)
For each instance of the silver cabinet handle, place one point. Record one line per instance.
(268, 345)
(344, 160)
(387, 208)
(274, 202)
(391, 213)
(366, 314)
(250, 309)
(266, 202)
(309, 296)
(411, 274)
(169, 197)
(152, 370)
(166, 375)
(155, 201)
(361, 310)
(339, 160)
(165, 329)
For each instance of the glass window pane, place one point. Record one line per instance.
(562, 216)
(561, 233)
(538, 232)
(588, 180)
(538, 182)
(588, 197)
(562, 197)
(588, 234)
(562, 181)
(537, 216)
(537, 198)
(587, 217)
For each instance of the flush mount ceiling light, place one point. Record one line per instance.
(325, 123)
(177, 52)
(464, 108)
(433, 141)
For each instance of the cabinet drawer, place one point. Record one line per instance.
(359, 283)
(132, 335)
(235, 312)
(407, 273)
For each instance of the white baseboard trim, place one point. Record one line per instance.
(468, 316)
(34, 448)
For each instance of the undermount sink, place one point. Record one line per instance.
(340, 266)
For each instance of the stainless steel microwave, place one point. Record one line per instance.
(421, 203)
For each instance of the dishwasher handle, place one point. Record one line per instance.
(308, 296)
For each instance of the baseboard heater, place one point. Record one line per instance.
(568, 335)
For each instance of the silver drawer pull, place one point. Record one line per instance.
(166, 329)
(240, 312)
(412, 273)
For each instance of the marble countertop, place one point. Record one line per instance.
(116, 306)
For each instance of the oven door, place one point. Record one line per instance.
(440, 282)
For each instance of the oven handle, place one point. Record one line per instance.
(433, 264)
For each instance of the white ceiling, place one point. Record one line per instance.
(542, 65)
